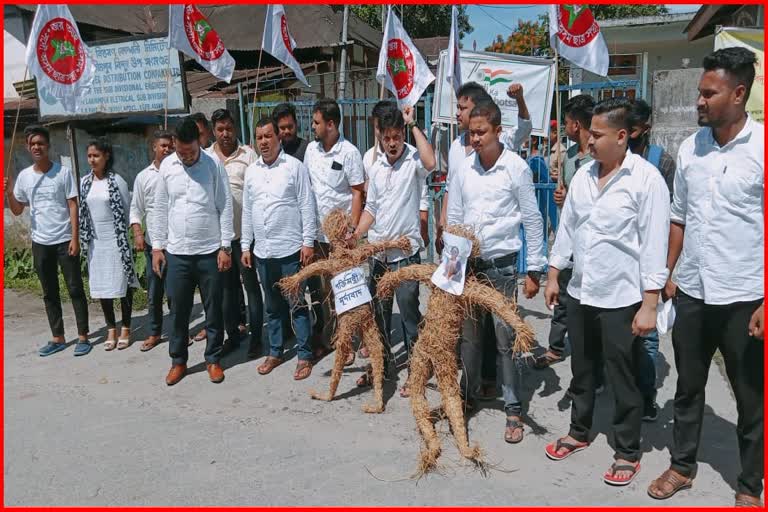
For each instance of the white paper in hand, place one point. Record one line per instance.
(450, 275)
(665, 316)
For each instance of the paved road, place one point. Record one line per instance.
(105, 430)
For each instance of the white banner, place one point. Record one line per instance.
(451, 272)
(130, 78)
(496, 71)
(350, 290)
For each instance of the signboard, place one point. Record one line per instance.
(496, 71)
(751, 39)
(131, 78)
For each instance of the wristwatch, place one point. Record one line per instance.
(227, 250)
(412, 124)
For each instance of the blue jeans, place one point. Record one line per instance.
(271, 270)
(504, 279)
(155, 291)
(255, 301)
(184, 274)
(646, 371)
(407, 295)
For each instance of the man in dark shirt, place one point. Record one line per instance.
(640, 143)
(284, 116)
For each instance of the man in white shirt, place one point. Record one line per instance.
(336, 172)
(716, 240)
(191, 228)
(236, 157)
(614, 224)
(142, 204)
(493, 193)
(395, 183)
(279, 229)
(50, 192)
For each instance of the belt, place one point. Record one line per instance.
(502, 261)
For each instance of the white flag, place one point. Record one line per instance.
(57, 56)
(190, 33)
(277, 41)
(453, 70)
(577, 35)
(401, 69)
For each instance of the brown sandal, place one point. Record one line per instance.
(350, 359)
(303, 370)
(673, 478)
(366, 379)
(745, 500)
(149, 343)
(269, 364)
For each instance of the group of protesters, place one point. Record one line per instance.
(227, 216)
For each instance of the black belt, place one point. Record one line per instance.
(507, 260)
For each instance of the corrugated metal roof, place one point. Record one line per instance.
(239, 26)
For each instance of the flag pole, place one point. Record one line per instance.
(15, 126)
(560, 180)
(256, 87)
(167, 84)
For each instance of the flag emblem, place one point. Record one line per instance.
(401, 66)
(60, 51)
(577, 25)
(494, 76)
(285, 34)
(202, 38)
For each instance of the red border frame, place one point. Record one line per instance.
(144, 509)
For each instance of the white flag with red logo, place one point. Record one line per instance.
(191, 33)
(453, 69)
(577, 35)
(277, 40)
(57, 56)
(402, 69)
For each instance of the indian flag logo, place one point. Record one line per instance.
(495, 76)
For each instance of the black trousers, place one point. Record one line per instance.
(559, 325)
(47, 260)
(593, 331)
(699, 330)
(126, 308)
(184, 274)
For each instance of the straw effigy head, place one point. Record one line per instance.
(335, 226)
(468, 233)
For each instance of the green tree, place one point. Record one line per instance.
(612, 12)
(418, 20)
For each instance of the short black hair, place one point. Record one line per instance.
(382, 107)
(641, 112)
(391, 119)
(221, 115)
(36, 129)
(187, 131)
(329, 109)
(580, 108)
(199, 117)
(737, 62)
(103, 145)
(617, 110)
(284, 110)
(489, 110)
(474, 91)
(162, 134)
(264, 121)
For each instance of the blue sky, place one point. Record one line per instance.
(489, 20)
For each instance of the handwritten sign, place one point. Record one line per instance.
(131, 78)
(350, 290)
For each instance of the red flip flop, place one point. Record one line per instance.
(552, 448)
(611, 479)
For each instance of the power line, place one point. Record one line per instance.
(496, 20)
(509, 7)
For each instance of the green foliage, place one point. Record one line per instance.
(18, 264)
(618, 11)
(418, 20)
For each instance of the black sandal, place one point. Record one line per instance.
(514, 425)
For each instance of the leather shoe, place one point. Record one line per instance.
(215, 372)
(176, 373)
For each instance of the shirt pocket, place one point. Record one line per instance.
(280, 187)
(615, 215)
(740, 185)
(335, 178)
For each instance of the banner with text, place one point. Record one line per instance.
(496, 71)
(131, 78)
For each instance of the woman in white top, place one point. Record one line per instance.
(104, 208)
